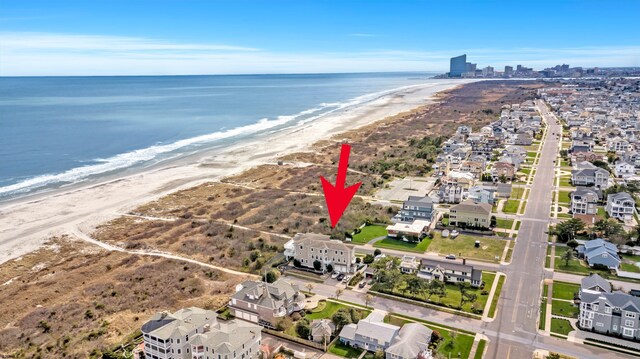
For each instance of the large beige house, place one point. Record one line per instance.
(195, 333)
(308, 248)
(470, 214)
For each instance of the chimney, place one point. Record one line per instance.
(206, 328)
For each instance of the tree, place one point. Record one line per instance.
(317, 265)
(503, 178)
(415, 285)
(377, 252)
(341, 318)
(271, 276)
(435, 287)
(296, 263)
(339, 292)
(608, 227)
(367, 299)
(303, 328)
(567, 230)
(329, 268)
(379, 354)
(572, 244)
(553, 356)
(368, 259)
(494, 221)
(463, 287)
(567, 256)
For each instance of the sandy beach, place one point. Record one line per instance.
(25, 224)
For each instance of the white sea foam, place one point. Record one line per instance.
(128, 159)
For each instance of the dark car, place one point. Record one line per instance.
(340, 277)
(362, 284)
(451, 256)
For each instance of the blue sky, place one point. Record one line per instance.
(200, 37)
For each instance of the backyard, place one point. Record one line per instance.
(560, 326)
(398, 244)
(464, 246)
(368, 233)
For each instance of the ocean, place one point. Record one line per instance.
(56, 131)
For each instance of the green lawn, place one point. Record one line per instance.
(565, 181)
(511, 206)
(496, 296)
(564, 197)
(344, 351)
(628, 267)
(461, 344)
(601, 212)
(531, 153)
(464, 246)
(562, 290)
(517, 192)
(480, 349)
(368, 233)
(525, 171)
(575, 265)
(504, 223)
(518, 225)
(398, 244)
(327, 310)
(560, 326)
(564, 309)
(543, 313)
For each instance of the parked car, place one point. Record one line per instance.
(346, 279)
(340, 276)
(451, 256)
(362, 284)
(335, 275)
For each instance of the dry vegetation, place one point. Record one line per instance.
(243, 222)
(71, 300)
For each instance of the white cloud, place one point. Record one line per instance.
(33, 54)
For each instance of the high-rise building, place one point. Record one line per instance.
(471, 67)
(508, 71)
(457, 66)
(487, 71)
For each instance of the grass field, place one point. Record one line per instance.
(564, 197)
(368, 233)
(496, 296)
(480, 349)
(344, 351)
(517, 192)
(504, 223)
(464, 246)
(398, 244)
(560, 326)
(329, 309)
(562, 290)
(511, 206)
(565, 181)
(564, 309)
(543, 313)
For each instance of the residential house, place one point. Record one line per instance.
(586, 156)
(194, 332)
(454, 188)
(482, 194)
(266, 303)
(411, 342)
(470, 214)
(307, 248)
(598, 252)
(416, 207)
(523, 139)
(371, 333)
(450, 272)
(596, 177)
(409, 264)
(620, 205)
(473, 167)
(608, 312)
(624, 170)
(403, 229)
(502, 170)
(584, 200)
(322, 330)
(617, 144)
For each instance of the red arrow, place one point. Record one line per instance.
(337, 196)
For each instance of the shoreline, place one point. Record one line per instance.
(30, 220)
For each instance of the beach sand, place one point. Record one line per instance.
(25, 224)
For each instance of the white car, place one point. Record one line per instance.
(335, 274)
(346, 279)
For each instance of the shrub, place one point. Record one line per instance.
(377, 252)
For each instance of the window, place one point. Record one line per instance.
(630, 315)
(607, 309)
(628, 323)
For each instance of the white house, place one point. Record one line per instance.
(620, 205)
(624, 170)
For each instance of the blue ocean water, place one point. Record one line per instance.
(61, 130)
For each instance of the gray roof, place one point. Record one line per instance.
(620, 300)
(595, 280)
(412, 339)
(322, 327)
(583, 191)
(227, 337)
(432, 263)
(267, 295)
(164, 325)
(373, 326)
(419, 201)
(620, 196)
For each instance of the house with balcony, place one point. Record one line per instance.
(482, 194)
(307, 248)
(620, 205)
(411, 342)
(266, 303)
(416, 207)
(194, 333)
(370, 334)
(597, 177)
(470, 214)
(450, 272)
(502, 169)
(608, 312)
(584, 200)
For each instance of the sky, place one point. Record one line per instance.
(162, 37)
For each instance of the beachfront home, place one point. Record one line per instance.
(416, 208)
(608, 312)
(307, 248)
(414, 229)
(194, 332)
(598, 252)
(584, 200)
(482, 194)
(596, 177)
(470, 214)
(620, 205)
(450, 272)
(266, 303)
(409, 264)
(586, 156)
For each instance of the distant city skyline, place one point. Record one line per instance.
(240, 37)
